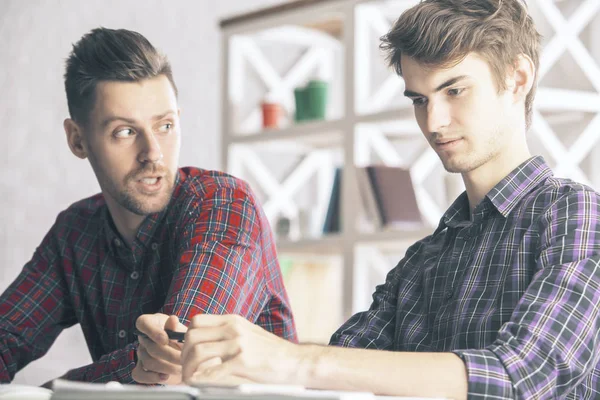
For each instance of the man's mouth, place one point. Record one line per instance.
(151, 184)
(150, 181)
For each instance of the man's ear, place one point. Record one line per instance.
(75, 138)
(521, 78)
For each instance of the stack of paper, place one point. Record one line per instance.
(23, 392)
(67, 390)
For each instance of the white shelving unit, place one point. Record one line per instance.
(272, 51)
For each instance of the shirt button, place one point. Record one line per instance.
(154, 246)
(122, 333)
(449, 293)
(135, 275)
(118, 242)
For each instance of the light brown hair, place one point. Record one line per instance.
(441, 33)
(109, 55)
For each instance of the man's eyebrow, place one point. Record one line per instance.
(449, 82)
(163, 115)
(113, 118)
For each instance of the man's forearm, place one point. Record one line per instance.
(115, 366)
(382, 372)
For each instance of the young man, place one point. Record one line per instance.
(502, 300)
(157, 241)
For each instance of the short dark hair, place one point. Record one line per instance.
(442, 33)
(109, 55)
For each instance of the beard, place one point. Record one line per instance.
(133, 202)
(468, 160)
(128, 197)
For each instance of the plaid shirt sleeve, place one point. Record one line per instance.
(224, 267)
(375, 328)
(34, 309)
(228, 265)
(115, 366)
(550, 343)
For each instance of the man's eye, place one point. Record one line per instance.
(454, 92)
(123, 133)
(418, 101)
(166, 127)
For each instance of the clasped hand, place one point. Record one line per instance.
(223, 349)
(158, 358)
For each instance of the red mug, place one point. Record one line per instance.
(271, 115)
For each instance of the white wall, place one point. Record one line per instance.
(38, 175)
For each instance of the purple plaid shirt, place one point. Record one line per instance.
(514, 291)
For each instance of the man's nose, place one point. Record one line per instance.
(151, 151)
(438, 116)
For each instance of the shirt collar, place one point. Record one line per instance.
(509, 191)
(504, 197)
(458, 213)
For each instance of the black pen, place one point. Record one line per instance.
(179, 336)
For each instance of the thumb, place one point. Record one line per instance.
(173, 324)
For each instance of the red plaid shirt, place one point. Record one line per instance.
(210, 251)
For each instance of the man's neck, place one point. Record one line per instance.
(126, 222)
(481, 180)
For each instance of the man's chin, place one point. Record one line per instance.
(456, 168)
(148, 209)
(142, 206)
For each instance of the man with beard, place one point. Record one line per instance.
(159, 245)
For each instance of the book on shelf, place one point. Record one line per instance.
(332, 219)
(389, 197)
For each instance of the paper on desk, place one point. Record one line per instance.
(287, 392)
(68, 390)
(14, 391)
(251, 391)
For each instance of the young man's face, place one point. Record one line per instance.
(462, 115)
(133, 142)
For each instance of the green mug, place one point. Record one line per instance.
(300, 97)
(316, 99)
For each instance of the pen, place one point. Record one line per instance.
(179, 336)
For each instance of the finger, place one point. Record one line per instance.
(227, 373)
(167, 353)
(176, 345)
(153, 326)
(208, 320)
(208, 363)
(173, 324)
(207, 334)
(193, 356)
(142, 375)
(230, 326)
(211, 362)
(226, 380)
(157, 365)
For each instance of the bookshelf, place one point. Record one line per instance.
(269, 52)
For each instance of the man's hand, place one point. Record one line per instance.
(248, 352)
(158, 358)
